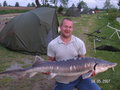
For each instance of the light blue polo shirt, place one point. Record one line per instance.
(58, 49)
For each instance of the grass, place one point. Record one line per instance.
(12, 11)
(108, 80)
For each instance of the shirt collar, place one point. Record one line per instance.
(61, 42)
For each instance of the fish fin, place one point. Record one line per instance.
(52, 75)
(33, 74)
(38, 61)
(87, 75)
(38, 58)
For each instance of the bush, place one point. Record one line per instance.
(112, 14)
(60, 9)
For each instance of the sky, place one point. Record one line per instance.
(90, 3)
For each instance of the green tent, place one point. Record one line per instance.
(31, 32)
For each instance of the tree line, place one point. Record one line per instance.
(5, 4)
(81, 4)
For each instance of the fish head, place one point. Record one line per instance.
(102, 66)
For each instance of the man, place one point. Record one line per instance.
(64, 47)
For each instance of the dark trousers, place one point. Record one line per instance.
(80, 84)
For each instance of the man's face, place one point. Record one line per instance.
(66, 28)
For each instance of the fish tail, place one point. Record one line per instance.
(14, 73)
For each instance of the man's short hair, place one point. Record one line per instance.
(69, 19)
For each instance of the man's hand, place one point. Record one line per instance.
(51, 58)
(46, 73)
(93, 73)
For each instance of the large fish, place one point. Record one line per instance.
(72, 67)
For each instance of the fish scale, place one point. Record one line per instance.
(64, 66)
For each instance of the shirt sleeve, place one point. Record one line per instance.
(50, 50)
(82, 48)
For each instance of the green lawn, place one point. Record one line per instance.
(108, 80)
(12, 11)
